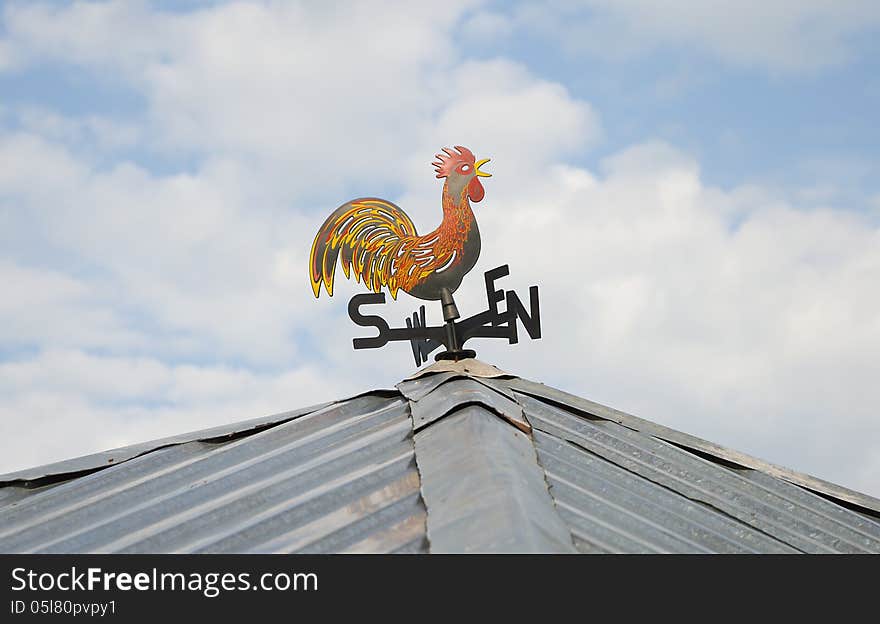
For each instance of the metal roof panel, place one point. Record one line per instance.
(97, 461)
(585, 406)
(268, 490)
(700, 480)
(622, 502)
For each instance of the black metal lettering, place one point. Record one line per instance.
(531, 321)
(420, 346)
(493, 295)
(368, 321)
(491, 323)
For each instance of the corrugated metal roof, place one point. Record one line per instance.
(583, 406)
(96, 461)
(462, 457)
(610, 509)
(337, 479)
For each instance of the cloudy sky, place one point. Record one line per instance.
(694, 184)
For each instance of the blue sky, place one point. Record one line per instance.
(693, 185)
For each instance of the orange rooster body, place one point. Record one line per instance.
(377, 239)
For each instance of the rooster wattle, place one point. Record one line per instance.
(378, 241)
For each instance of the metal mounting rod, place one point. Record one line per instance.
(450, 313)
(450, 310)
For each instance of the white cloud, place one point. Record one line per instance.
(786, 35)
(25, 155)
(495, 96)
(488, 25)
(7, 59)
(85, 403)
(48, 307)
(99, 133)
(102, 34)
(292, 87)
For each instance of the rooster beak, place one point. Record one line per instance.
(481, 174)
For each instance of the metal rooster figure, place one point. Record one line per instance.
(378, 241)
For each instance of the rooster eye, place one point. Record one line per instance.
(465, 168)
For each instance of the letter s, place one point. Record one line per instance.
(19, 579)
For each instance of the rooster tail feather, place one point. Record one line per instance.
(365, 235)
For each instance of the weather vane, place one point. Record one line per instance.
(378, 241)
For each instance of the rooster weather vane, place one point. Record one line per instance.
(378, 241)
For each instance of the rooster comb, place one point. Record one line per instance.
(448, 160)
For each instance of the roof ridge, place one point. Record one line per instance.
(428, 406)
